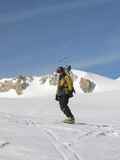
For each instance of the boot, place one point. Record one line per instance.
(69, 120)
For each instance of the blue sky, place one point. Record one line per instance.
(36, 36)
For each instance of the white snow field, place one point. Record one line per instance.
(31, 125)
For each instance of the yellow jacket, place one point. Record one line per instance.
(65, 85)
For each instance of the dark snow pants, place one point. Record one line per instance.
(63, 101)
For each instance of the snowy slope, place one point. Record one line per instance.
(36, 89)
(31, 127)
(103, 84)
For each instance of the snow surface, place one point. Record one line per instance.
(31, 127)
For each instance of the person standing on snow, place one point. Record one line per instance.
(65, 90)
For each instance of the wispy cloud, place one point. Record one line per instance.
(100, 60)
(14, 17)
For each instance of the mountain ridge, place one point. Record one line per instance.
(45, 85)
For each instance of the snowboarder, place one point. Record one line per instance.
(65, 90)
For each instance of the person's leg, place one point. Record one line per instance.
(63, 101)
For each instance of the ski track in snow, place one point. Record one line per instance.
(64, 149)
(4, 144)
(52, 131)
(90, 129)
(93, 129)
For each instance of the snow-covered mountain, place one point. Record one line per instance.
(118, 78)
(45, 85)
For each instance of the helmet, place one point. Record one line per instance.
(60, 69)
